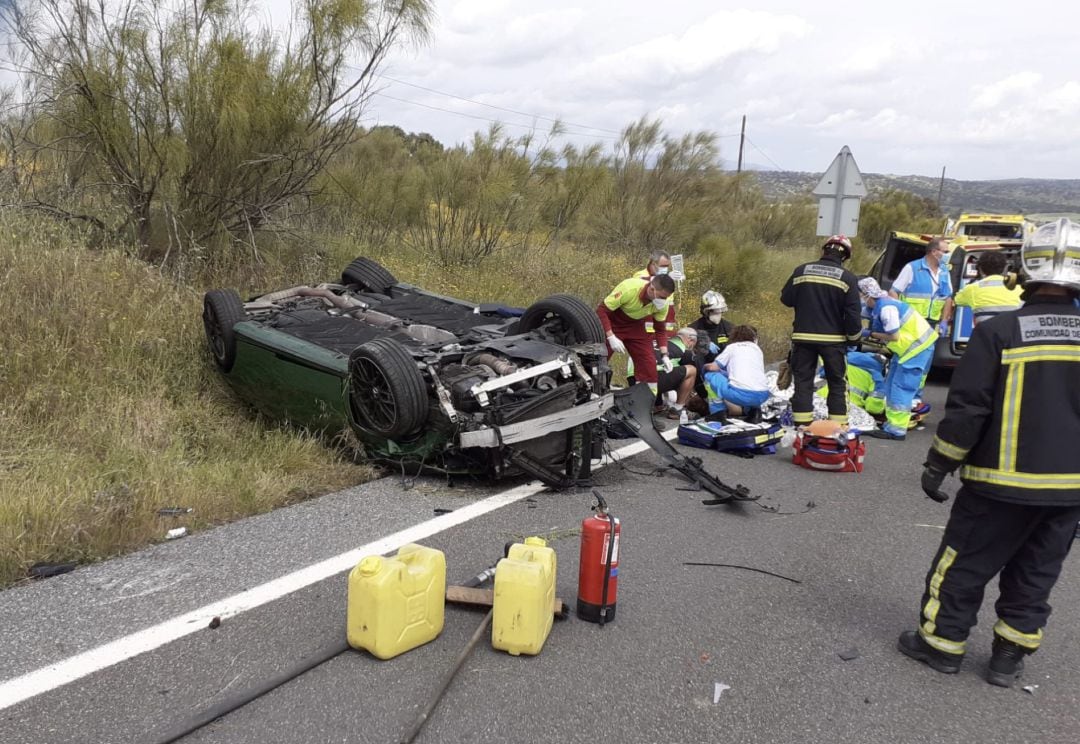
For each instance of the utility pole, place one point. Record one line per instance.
(742, 139)
(941, 187)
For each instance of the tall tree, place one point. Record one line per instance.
(660, 188)
(191, 111)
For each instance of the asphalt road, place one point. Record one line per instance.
(860, 554)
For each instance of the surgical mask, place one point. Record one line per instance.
(662, 270)
(714, 318)
(659, 303)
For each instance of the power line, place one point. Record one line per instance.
(764, 154)
(509, 110)
(483, 118)
(498, 108)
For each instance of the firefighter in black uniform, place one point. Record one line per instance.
(1012, 420)
(825, 296)
(713, 330)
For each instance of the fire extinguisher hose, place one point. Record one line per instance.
(607, 571)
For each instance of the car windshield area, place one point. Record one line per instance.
(993, 232)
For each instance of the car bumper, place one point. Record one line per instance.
(523, 431)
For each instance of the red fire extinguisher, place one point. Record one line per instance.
(598, 568)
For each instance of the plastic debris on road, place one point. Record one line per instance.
(718, 689)
(175, 533)
(1030, 689)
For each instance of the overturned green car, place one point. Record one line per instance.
(423, 380)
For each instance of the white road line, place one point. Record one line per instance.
(18, 689)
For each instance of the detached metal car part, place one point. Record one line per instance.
(422, 379)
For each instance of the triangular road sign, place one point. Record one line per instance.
(842, 179)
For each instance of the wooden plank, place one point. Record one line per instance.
(486, 598)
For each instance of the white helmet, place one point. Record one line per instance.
(1051, 254)
(713, 301)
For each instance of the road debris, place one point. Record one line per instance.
(848, 654)
(174, 511)
(175, 533)
(718, 689)
(745, 568)
(1030, 689)
(215, 623)
(46, 570)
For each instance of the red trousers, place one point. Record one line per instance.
(639, 343)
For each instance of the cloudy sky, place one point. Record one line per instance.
(989, 90)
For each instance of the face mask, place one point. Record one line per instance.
(662, 270)
(659, 303)
(714, 318)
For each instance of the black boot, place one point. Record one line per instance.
(912, 644)
(719, 417)
(752, 416)
(1006, 663)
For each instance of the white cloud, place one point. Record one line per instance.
(1064, 100)
(700, 49)
(1006, 91)
(521, 39)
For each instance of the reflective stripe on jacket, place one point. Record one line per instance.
(914, 334)
(988, 297)
(710, 333)
(676, 342)
(925, 295)
(825, 297)
(1012, 418)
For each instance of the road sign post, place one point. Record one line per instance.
(840, 192)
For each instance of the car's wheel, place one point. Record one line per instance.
(387, 391)
(369, 275)
(566, 317)
(222, 309)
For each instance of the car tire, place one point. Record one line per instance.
(369, 275)
(387, 393)
(222, 309)
(580, 324)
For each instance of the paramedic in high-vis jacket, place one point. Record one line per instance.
(991, 294)
(634, 318)
(1012, 421)
(911, 340)
(926, 286)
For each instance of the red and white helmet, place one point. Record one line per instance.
(843, 242)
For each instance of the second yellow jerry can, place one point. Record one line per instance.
(524, 598)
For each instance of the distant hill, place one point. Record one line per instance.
(1011, 196)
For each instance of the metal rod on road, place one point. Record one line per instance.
(244, 697)
(447, 679)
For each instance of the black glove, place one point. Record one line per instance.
(931, 484)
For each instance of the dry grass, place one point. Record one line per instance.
(110, 410)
